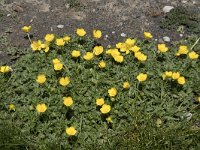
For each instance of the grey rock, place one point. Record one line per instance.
(167, 9)
(60, 26)
(166, 39)
(123, 35)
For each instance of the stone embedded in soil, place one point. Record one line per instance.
(60, 26)
(123, 35)
(167, 9)
(166, 39)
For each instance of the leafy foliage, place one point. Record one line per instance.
(134, 111)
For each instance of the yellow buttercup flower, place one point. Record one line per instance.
(41, 108)
(135, 49)
(11, 107)
(175, 75)
(67, 38)
(162, 48)
(168, 73)
(140, 56)
(36, 45)
(126, 85)
(119, 58)
(109, 119)
(71, 131)
(76, 53)
(199, 99)
(97, 34)
(97, 50)
(4, 69)
(49, 37)
(45, 46)
(148, 35)
(182, 50)
(56, 60)
(58, 66)
(100, 101)
(193, 55)
(181, 80)
(88, 56)
(142, 77)
(26, 29)
(105, 109)
(64, 81)
(67, 101)
(112, 92)
(81, 32)
(130, 42)
(102, 64)
(60, 42)
(41, 78)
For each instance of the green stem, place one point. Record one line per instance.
(29, 38)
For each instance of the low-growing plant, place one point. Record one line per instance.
(70, 92)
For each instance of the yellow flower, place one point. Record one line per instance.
(182, 50)
(97, 34)
(60, 42)
(119, 45)
(49, 37)
(105, 109)
(164, 76)
(64, 81)
(5, 69)
(135, 48)
(162, 48)
(199, 99)
(67, 38)
(76, 53)
(175, 75)
(41, 108)
(119, 58)
(112, 92)
(58, 66)
(113, 52)
(71, 131)
(12, 107)
(80, 32)
(36, 45)
(148, 35)
(168, 73)
(98, 50)
(130, 42)
(56, 60)
(41, 79)
(193, 55)
(100, 101)
(140, 56)
(45, 46)
(109, 119)
(126, 85)
(102, 64)
(142, 77)
(181, 80)
(26, 29)
(67, 101)
(88, 56)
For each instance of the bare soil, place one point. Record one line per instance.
(113, 17)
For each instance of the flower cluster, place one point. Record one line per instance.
(5, 69)
(175, 76)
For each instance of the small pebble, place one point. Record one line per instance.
(167, 9)
(113, 32)
(51, 29)
(166, 39)
(184, 2)
(123, 35)
(106, 36)
(181, 35)
(156, 39)
(8, 15)
(60, 26)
